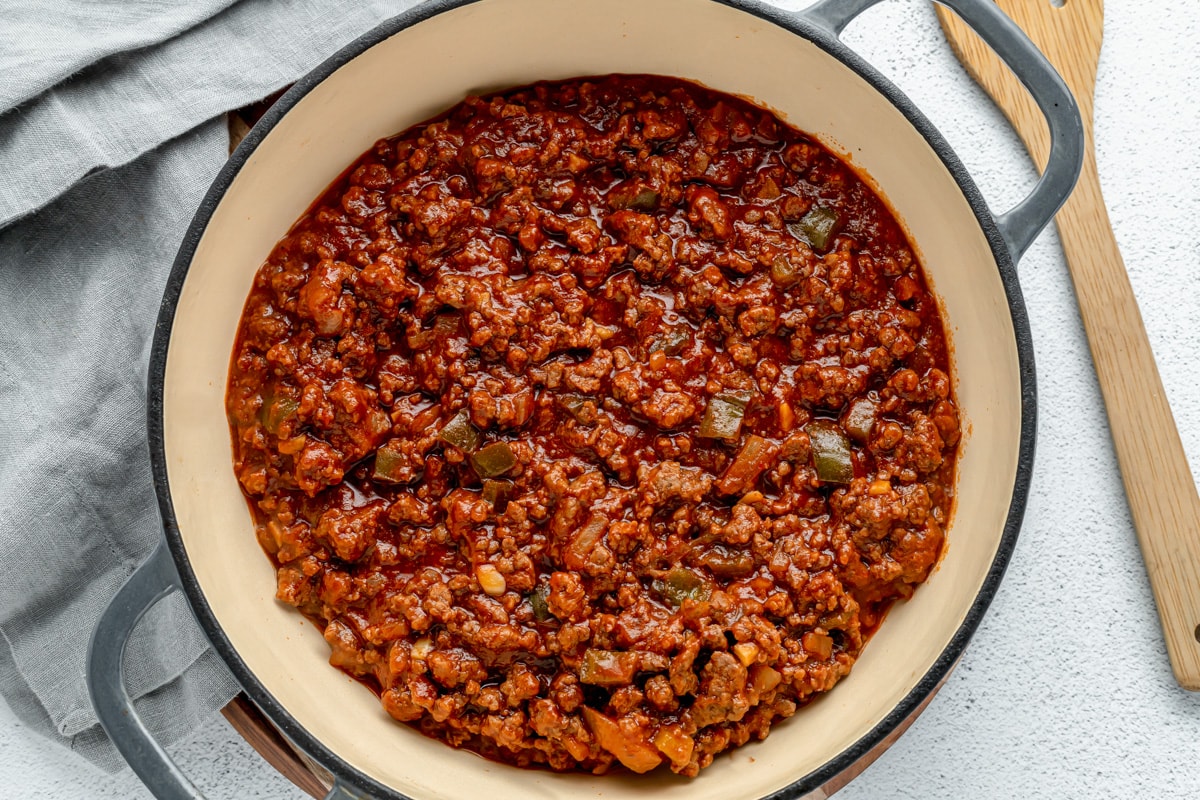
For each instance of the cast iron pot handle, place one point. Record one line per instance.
(152, 581)
(1020, 225)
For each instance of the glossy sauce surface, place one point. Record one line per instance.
(597, 423)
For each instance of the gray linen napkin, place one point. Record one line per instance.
(126, 104)
(133, 140)
(81, 282)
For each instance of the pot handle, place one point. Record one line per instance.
(153, 581)
(1020, 225)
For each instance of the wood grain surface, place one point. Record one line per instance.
(1158, 482)
(249, 723)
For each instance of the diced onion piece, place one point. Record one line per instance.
(746, 652)
(819, 644)
(460, 432)
(630, 748)
(589, 535)
(752, 497)
(755, 456)
(422, 648)
(764, 678)
(490, 580)
(419, 340)
(878, 488)
(830, 451)
(859, 419)
(379, 423)
(674, 744)
(276, 530)
(445, 325)
(289, 447)
(494, 460)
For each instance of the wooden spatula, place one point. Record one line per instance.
(1162, 496)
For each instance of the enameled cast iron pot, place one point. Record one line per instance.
(413, 67)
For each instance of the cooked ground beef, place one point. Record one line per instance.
(596, 422)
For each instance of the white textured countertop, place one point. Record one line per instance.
(1065, 691)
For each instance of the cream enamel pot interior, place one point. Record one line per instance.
(414, 67)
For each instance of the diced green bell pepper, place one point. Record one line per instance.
(539, 600)
(460, 432)
(276, 411)
(723, 417)
(818, 227)
(494, 460)
(682, 584)
(831, 453)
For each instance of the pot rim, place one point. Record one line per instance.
(794, 23)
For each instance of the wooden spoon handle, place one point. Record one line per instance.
(1158, 482)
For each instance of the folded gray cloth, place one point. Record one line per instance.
(80, 283)
(44, 41)
(102, 174)
(113, 111)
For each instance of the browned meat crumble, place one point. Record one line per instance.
(596, 422)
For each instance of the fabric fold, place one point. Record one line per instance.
(81, 282)
(129, 103)
(43, 42)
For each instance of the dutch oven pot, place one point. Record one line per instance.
(413, 67)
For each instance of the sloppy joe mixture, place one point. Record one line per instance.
(596, 423)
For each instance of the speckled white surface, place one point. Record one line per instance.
(1065, 691)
